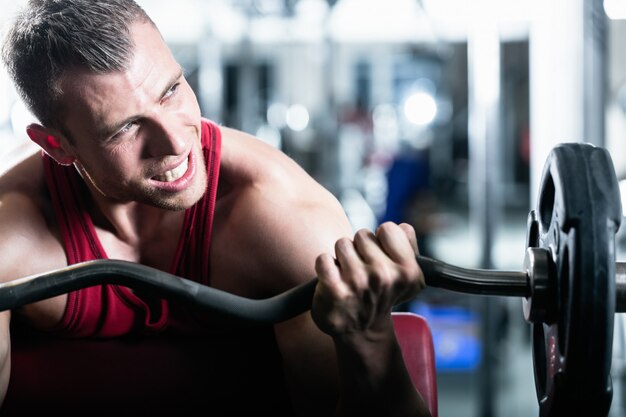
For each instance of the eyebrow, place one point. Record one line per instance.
(108, 130)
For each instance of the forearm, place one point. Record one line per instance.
(373, 378)
(354, 297)
(5, 354)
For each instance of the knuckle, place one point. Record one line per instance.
(360, 278)
(413, 270)
(386, 227)
(362, 234)
(382, 272)
(343, 244)
(381, 277)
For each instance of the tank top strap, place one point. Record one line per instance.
(192, 257)
(74, 223)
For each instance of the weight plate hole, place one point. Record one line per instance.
(546, 202)
(532, 235)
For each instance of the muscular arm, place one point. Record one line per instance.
(26, 247)
(283, 220)
(5, 353)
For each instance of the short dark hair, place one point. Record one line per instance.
(49, 37)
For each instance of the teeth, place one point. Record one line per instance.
(174, 174)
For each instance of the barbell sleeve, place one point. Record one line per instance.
(620, 287)
(502, 283)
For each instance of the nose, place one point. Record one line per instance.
(165, 137)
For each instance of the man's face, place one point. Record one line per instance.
(136, 132)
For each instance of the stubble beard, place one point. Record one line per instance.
(157, 198)
(189, 197)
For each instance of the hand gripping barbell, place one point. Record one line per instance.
(570, 284)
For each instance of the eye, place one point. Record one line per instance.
(125, 131)
(171, 91)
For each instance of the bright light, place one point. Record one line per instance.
(615, 9)
(379, 21)
(420, 108)
(277, 115)
(297, 117)
(226, 22)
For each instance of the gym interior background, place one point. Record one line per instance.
(439, 113)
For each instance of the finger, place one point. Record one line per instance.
(394, 241)
(410, 233)
(329, 291)
(351, 265)
(377, 262)
(367, 246)
(329, 277)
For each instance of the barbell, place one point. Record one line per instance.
(570, 284)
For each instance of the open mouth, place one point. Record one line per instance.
(173, 174)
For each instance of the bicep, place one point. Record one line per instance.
(304, 226)
(269, 238)
(278, 205)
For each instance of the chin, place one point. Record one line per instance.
(180, 201)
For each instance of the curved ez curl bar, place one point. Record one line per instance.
(15, 294)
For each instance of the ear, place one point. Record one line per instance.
(51, 141)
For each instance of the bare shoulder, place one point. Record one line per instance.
(272, 218)
(266, 178)
(246, 158)
(28, 243)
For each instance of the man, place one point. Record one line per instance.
(129, 162)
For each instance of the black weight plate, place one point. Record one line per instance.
(578, 213)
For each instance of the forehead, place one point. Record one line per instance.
(104, 98)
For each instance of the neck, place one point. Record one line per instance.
(137, 232)
(132, 223)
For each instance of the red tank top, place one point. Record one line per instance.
(113, 310)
